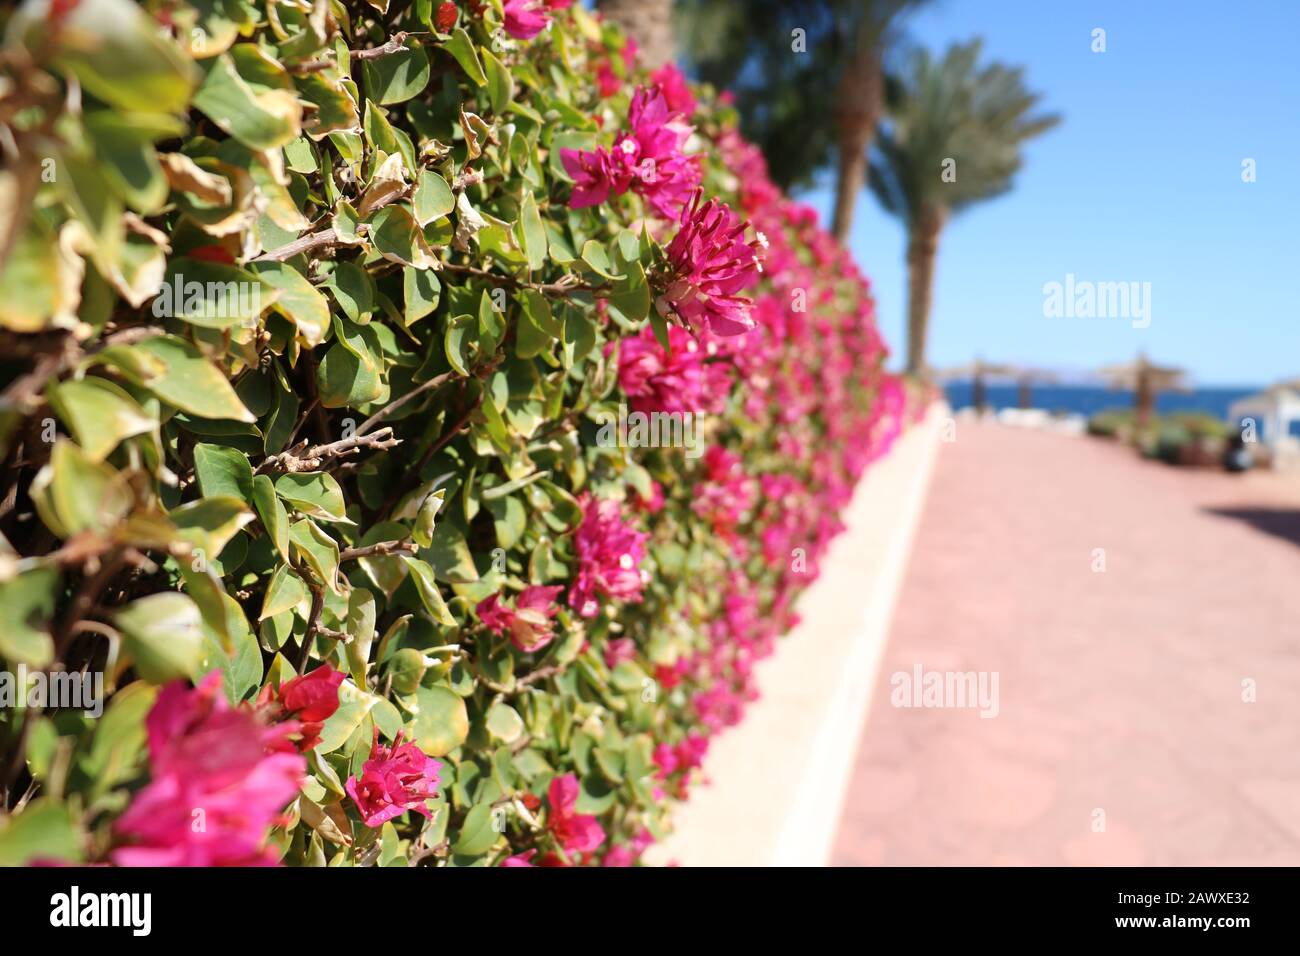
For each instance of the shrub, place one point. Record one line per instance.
(1111, 423)
(316, 361)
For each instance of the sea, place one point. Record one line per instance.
(1089, 399)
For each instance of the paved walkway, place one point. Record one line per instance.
(1122, 736)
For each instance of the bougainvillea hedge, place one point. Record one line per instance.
(338, 339)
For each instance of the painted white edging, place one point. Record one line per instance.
(779, 779)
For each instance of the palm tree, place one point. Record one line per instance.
(780, 80)
(1146, 382)
(1026, 379)
(953, 138)
(649, 22)
(977, 373)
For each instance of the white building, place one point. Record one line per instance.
(1272, 417)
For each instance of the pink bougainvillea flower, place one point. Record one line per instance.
(219, 782)
(312, 699)
(608, 553)
(662, 173)
(519, 859)
(445, 18)
(653, 504)
(618, 650)
(393, 780)
(575, 832)
(726, 494)
(710, 263)
(682, 380)
(619, 856)
(647, 158)
(528, 623)
(607, 84)
(676, 92)
(594, 176)
(314, 696)
(630, 53)
(525, 19)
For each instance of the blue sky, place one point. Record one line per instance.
(1141, 182)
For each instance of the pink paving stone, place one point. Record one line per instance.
(1119, 692)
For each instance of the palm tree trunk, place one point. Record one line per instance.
(859, 104)
(1144, 399)
(922, 247)
(649, 22)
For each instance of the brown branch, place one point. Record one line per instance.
(307, 243)
(392, 46)
(561, 287)
(383, 547)
(436, 382)
(300, 458)
(313, 624)
(87, 597)
(541, 673)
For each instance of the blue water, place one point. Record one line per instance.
(1089, 399)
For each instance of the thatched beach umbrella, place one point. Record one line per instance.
(976, 373)
(1147, 380)
(1026, 378)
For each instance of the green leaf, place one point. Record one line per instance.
(595, 256)
(538, 327)
(209, 523)
(119, 55)
(260, 120)
(336, 110)
(397, 77)
(500, 84)
(504, 723)
(421, 292)
(284, 593)
(353, 289)
(271, 511)
(354, 705)
(222, 471)
(299, 301)
(462, 48)
(100, 413)
(433, 198)
(129, 160)
(456, 345)
(27, 601)
(189, 381)
(441, 724)
(427, 587)
(449, 555)
(315, 494)
(531, 232)
(85, 494)
(422, 530)
(397, 238)
(241, 665)
(163, 634)
(211, 295)
(629, 300)
(477, 834)
(44, 830)
(118, 747)
(319, 550)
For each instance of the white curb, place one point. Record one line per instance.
(778, 781)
